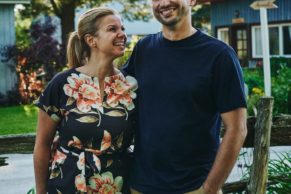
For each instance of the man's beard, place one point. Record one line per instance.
(172, 22)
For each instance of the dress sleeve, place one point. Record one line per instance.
(228, 83)
(49, 100)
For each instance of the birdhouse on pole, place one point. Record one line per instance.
(263, 5)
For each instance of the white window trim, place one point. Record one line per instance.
(281, 47)
(219, 30)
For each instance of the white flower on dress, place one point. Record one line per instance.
(81, 162)
(85, 91)
(80, 183)
(120, 90)
(105, 184)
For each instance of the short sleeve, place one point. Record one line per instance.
(49, 100)
(228, 84)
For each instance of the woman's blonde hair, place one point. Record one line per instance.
(77, 48)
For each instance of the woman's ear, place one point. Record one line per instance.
(90, 40)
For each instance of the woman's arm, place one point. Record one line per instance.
(45, 132)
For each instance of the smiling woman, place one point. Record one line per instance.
(92, 106)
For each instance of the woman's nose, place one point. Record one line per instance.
(122, 34)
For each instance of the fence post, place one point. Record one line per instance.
(259, 170)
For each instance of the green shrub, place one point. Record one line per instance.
(280, 174)
(281, 90)
(281, 85)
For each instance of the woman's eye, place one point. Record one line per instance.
(112, 29)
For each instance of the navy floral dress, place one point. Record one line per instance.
(94, 133)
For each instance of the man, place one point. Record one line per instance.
(188, 83)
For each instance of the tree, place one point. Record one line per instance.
(38, 61)
(201, 16)
(65, 10)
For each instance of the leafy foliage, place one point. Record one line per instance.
(280, 174)
(201, 17)
(281, 85)
(136, 10)
(38, 61)
(281, 90)
(65, 10)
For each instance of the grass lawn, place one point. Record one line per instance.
(18, 119)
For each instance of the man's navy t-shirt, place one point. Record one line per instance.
(184, 86)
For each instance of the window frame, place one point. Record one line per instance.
(223, 29)
(281, 45)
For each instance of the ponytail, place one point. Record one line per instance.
(74, 51)
(77, 49)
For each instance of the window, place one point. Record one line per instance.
(222, 34)
(287, 40)
(241, 39)
(279, 40)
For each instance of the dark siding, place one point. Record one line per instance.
(223, 13)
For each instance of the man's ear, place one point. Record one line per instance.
(192, 2)
(90, 41)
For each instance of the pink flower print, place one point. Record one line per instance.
(106, 141)
(75, 143)
(97, 162)
(59, 157)
(105, 184)
(120, 90)
(80, 183)
(81, 162)
(85, 91)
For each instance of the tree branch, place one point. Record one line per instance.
(55, 8)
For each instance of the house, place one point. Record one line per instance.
(237, 24)
(7, 37)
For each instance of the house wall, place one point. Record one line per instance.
(222, 13)
(7, 37)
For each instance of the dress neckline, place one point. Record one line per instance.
(117, 72)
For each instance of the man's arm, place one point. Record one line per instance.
(236, 131)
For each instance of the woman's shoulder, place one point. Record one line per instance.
(62, 76)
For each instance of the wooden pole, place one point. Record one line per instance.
(259, 170)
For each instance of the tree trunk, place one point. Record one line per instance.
(67, 16)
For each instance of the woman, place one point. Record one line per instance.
(91, 106)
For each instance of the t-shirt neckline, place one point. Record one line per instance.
(182, 42)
